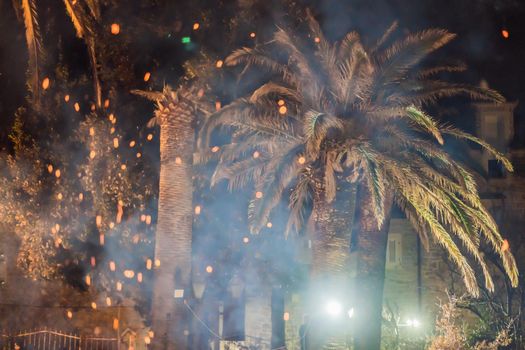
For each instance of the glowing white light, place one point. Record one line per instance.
(351, 313)
(415, 323)
(334, 308)
(409, 322)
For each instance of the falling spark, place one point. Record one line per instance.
(246, 240)
(157, 263)
(258, 194)
(106, 103)
(139, 277)
(112, 266)
(219, 64)
(286, 316)
(256, 154)
(115, 323)
(269, 225)
(66, 98)
(77, 106)
(252, 35)
(115, 142)
(108, 301)
(149, 264)
(215, 149)
(50, 168)
(111, 224)
(123, 167)
(147, 75)
(98, 220)
(139, 154)
(301, 160)
(93, 107)
(94, 305)
(178, 160)
(101, 239)
(93, 261)
(60, 196)
(92, 154)
(505, 246)
(115, 28)
(92, 131)
(119, 286)
(88, 280)
(143, 218)
(129, 274)
(57, 173)
(283, 110)
(69, 314)
(209, 269)
(197, 210)
(112, 131)
(317, 39)
(280, 103)
(148, 219)
(149, 137)
(151, 334)
(217, 105)
(505, 33)
(147, 340)
(45, 83)
(196, 26)
(81, 197)
(200, 93)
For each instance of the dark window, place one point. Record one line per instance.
(495, 168)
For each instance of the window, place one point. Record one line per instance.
(393, 250)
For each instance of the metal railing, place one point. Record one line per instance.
(54, 340)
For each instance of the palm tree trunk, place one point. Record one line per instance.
(369, 250)
(174, 227)
(330, 239)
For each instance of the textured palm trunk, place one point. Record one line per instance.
(330, 239)
(369, 250)
(174, 226)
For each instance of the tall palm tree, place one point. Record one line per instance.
(337, 113)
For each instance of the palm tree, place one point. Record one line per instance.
(338, 113)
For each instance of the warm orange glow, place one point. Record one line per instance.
(147, 340)
(218, 105)
(197, 210)
(148, 219)
(505, 246)
(115, 323)
(112, 131)
(93, 261)
(178, 160)
(49, 168)
(132, 143)
(111, 116)
(119, 286)
(45, 83)
(106, 103)
(149, 137)
(69, 314)
(283, 110)
(269, 225)
(209, 269)
(123, 167)
(147, 75)
(92, 154)
(108, 301)
(88, 280)
(111, 224)
(258, 194)
(139, 155)
(215, 149)
(252, 35)
(115, 142)
(129, 273)
(101, 239)
(505, 33)
(256, 154)
(92, 131)
(139, 277)
(98, 220)
(151, 334)
(66, 98)
(112, 266)
(219, 64)
(317, 39)
(200, 93)
(93, 107)
(76, 106)
(301, 160)
(196, 26)
(157, 263)
(286, 316)
(60, 196)
(149, 264)
(280, 103)
(143, 218)
(57, 173)
(115, 29)
(81, 196)
(94, 305)
(246, 240)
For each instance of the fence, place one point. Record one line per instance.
(55, 340)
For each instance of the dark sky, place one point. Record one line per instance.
(478, 24)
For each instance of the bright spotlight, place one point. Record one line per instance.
(409, 323)
(334, 308)
(415, 323)
(351, 313)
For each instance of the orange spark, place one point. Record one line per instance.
(219, 64)
(196, 26)
(258, 194)
(505, 33)
(115, 28)
(45, 83)
(209, 269)
(77, 106)
(147, 75)
(66, 98)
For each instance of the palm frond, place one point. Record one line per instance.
(385, 37)
(299, 197)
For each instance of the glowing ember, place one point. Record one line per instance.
(147, 76)
(45, 83)
(151, 334)
(92, 131)
(256, 154)
(197, 210)
(157, 263)
(143, 218)
(115, 29)
(93, 107)
(76, 106)
(112, 266)
(101, 239)
(178, 160)
(111, 224)
(108, 301)
(98, 220)
(252, 35)
(147, 340)
(505, 246)
(219, 64)
(139, 154)
(280, 103)
(66, 98)
(215, 149)
(81, 196)
(209, 269)
(301, 160)
(149, 137)
(286, 316)
(317, 39)
(505, 33)
(60, 196)
(93, 261)
(112, 131)
(106, 103)
(149, 264)
(139, 277)
(92, 154)
(258, 194)
(196, 26)
(119, 286)
(50, 168)
(217, 105)
(88, 280)
(148, 219)
(269, 225)
(94, 305)
(115, 142)
(246, 240)
(283, 110)
(123, 167)
(57, 173)
(129, 274)
(132, 143)
(69, 314)
(115, 323)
